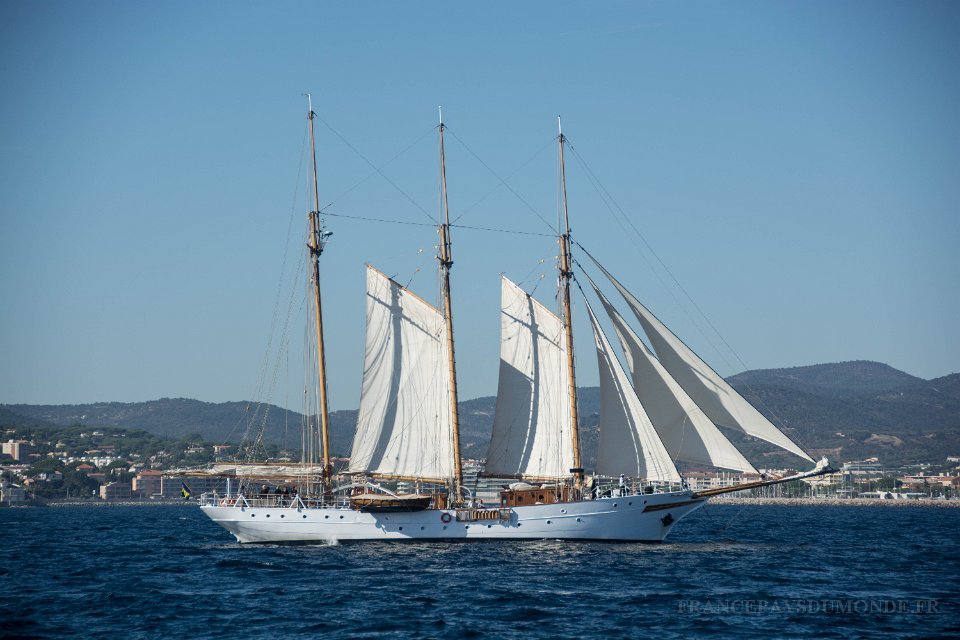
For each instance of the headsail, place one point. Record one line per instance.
(686, 432)
(709, 390)
(628, 442)
(403, 424)
(531, 428)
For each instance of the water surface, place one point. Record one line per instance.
(725, 572)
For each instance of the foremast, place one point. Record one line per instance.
(446, 262)
(317, 240)
(566, 274)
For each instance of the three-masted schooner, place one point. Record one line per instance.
(664, 410)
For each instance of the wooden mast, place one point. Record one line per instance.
(446, 262)
(566, 273)
(318, 238)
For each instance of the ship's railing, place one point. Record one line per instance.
(272, 500)
(613, 489)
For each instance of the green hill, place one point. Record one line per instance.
(848, 410)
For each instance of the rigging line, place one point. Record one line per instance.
(494, 230)
(258, 388)
(608, 201)
(536, 267)
(502, 181)
(267, 389)
(375, 168)
(510, 175)
(599, 186)
(368, 219)
(383, 166)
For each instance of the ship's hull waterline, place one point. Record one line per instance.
(637, 518)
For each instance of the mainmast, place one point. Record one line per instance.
(318, 238)
(566, 273)
(446, 262)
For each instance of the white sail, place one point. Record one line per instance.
(628, 442)
(403, 424)
(709, 390)
(532, 426)
(685, 430)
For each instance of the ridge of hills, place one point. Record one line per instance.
(846, 410)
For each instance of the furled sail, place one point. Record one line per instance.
(686, 432)
(628, 442)
(532, 426)
(709, 390)
(403, 424)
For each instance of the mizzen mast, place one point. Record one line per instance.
(318, 238)
(446, 262)
(566, 273)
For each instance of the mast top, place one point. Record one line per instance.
(559, 127)
(440, 109)
(309, 105)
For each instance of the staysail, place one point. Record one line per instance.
(531, 428)
(628, 442)
(685, 430)
(718, 400)
(403, 424)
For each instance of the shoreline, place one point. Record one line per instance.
(730, 501)
(100, 503)
(834, 502)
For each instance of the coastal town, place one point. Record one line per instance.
(112, 466)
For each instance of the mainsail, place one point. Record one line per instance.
(628, 442)
(685, 430)
(718, 400)
(403, 424)
(531, 428)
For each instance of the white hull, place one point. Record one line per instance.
(637, 518)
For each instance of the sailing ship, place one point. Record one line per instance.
(664, 407)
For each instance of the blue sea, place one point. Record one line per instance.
(725, 572)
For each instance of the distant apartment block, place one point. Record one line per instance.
(148, 483)
(10, 494)
(116, 491)
(17, 449)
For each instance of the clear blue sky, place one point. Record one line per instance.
(796, 165)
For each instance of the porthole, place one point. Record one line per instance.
(282, 516)
(489, 525)
(578, 519)
(444, 527)
(268, 515)
(548, 522)
(563, 510)
(341, 517)
(614, 504)
(253, 515)
(630, 504)
(325, 517)
(466, 527)
(304, 516)
(421, 528)
(400, 529)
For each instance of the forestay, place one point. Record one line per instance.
(531, 429)
(403, 424)
(685, 431)
(628, 442)
(706, 387)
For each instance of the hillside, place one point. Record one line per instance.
(848, 410)
(841, 379)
